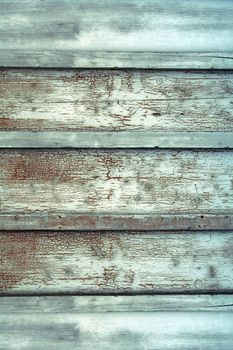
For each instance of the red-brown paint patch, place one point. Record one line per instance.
(19, 259)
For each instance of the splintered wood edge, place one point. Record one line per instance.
(115, 222)
(124, 139)
(115, 59)
(126, 303)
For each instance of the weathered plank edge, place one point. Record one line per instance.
(124, 139)
(126, 303)
(115, 222)
(113, 59)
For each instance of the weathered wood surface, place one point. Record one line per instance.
(115, 100)
(76, 28)
(116, 222)
(106, 262)
(116, 182)
(136, 331)
(113, 59)
(120, 303)
(171, 140)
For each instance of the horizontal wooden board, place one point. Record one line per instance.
(115, 59)
(116, 222)
(30, 37)
(176, 140)
(116, 182)
(110, 263)
(116, 100)
(119, 303)
(121, 331)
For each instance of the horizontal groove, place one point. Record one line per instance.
(227, 292)
(115, 222)
(115, 59)
(124, 139)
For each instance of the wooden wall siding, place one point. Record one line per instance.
(77, 33)
(128, 262)
(116, 100)
(116, 186)
(136, 331)
(109, 59)
(116, 222)
(118, 303)
(116, 182)
(111, 140)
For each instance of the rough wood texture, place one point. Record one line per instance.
(176, 140)
(115, 100)
(65, 262)
(116, 222)
(113, 182)
(113, 59)
(119, 303)
(134, 331)
(30, 37)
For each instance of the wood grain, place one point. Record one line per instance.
(136, 331)
(64, 304)
(115, 59)
(28, 35)
(116, 100)
(111, 140)
(115, 222)
(116, 182)
(113, 263)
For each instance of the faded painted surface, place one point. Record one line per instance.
(116, 140)
(105, 190)
(65, 262)
(136, 331)
(115, 100)
(147, 25)
(78, 28)
(116, 222)
(126, 182)
(115, 59)
(117, 303)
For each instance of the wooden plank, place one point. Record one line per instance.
(116, 182)
(177, 140)
(111, 263)
(28, 35)
(136, 331)
(116, 100)
(115, 59)
(120, 303)
(116, 222)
